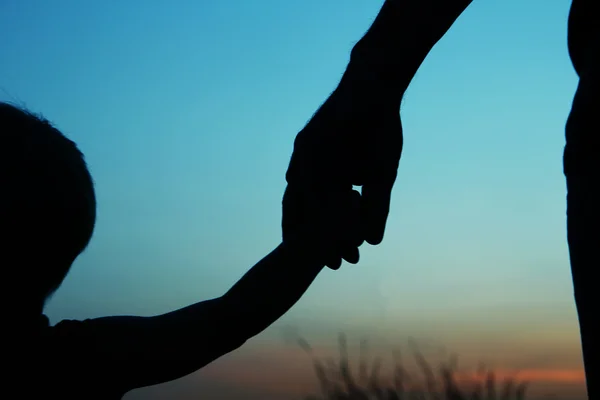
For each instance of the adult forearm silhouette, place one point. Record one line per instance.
(399, 40)
(355, 138)
(582, 172)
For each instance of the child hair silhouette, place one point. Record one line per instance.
(48, 205)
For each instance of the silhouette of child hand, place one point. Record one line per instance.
(355, 138)
(323, 225)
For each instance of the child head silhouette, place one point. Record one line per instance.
(47, 206)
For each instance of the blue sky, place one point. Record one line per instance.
(187, 112)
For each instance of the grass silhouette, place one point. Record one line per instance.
(337, 382)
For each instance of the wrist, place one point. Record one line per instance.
(390, 53)
(302, 254)
(375, 70)
(402, 35)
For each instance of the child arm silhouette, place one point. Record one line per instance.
(130, 352)
(143, 351)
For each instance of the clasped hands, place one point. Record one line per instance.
(354, 139)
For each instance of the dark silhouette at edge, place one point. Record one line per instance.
(582, 172)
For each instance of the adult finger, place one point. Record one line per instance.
(351, 255)
(328, 211)
(351, 227)
(375, 208)
(343, 233)
(294, 212)
(334, 263)
(382, 169)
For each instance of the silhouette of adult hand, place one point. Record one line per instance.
(355, 138)
(323, 225)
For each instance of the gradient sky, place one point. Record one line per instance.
(187, 112)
